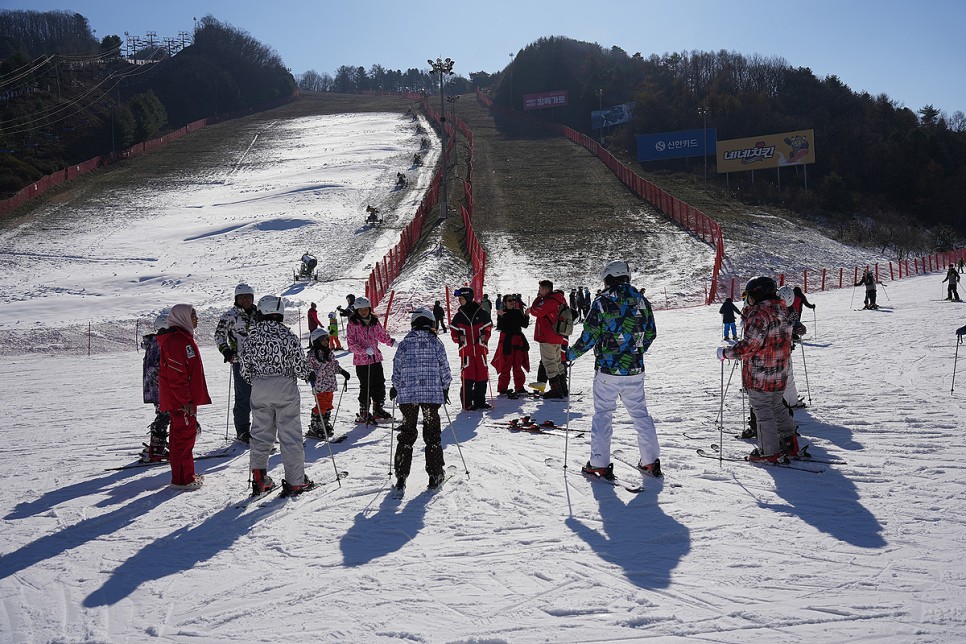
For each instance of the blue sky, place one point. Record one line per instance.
(913, 51)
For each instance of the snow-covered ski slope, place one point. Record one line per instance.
(518, 551)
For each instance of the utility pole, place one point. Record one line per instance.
(600, 111)
(703, 111)
(511, 79)
(452, 104)
(443, 68)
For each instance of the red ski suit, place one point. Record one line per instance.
(181, 381)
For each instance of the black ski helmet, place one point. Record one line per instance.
(465, 292)
(761, 288)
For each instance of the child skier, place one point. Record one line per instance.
(512, 351)
(728, 311)
(157, 448)
(765, 354)
(323, 368)
(470, 328)
(953, 278)
(363, 335)
(334, 332)
(420, 380)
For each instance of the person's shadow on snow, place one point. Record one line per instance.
(178, 551)
(374, 535)
(638, 536)
(829, 502)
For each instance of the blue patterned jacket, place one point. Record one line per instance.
(620, 328)
(420, 370)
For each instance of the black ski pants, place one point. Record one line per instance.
(372, 385)
(432, 436)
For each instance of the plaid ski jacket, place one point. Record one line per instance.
(766, 347)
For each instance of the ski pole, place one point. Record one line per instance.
(724, 391)
(392, 430)
(852, 301)
(952, 387)
(458, 449)
(567, 433)
(721, 417)
(328, 442)
(805, 365)
(814, 325)
(231, 382)
(888, 299)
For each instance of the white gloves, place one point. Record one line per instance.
(721, 355)
(370, 351)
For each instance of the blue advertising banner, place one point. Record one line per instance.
(676, 145)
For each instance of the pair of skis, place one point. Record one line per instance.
(262, 499)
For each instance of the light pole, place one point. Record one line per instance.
(703, 111)
(452, 105)
(600, 113)
(442, 67)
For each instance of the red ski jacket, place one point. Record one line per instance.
(181, 377)
(546, 309)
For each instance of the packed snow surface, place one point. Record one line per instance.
(514, 548)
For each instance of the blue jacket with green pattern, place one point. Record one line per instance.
(620, 328)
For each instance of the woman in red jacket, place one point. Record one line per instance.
(182, 388)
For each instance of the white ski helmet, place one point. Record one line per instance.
(318, 334)
(362, 303)
(423, 313)
(161, 322)
(617, 268)
(271, 305)
(244, 289)
(787, 294)
(331, 315)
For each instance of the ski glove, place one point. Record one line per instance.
(721, 354)
(369, 351)
(392, 393)
(311, 378)
(961, 331)
(345, 384)
(446, 395)
(229, 355)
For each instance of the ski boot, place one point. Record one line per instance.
(606, 472)
(316, 428)
(379, 412)
(653, 469)
(261, 482)
(435, 480)
(294, 490)
(756, 456)
(364, 417)
(327, 424)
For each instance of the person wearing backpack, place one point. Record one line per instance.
(547, 309)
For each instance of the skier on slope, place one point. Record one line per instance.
(323, 368)
(181, 390)
(546, 309)
(230, 337)
(512, 353)
(868, 279)
(349, 308)
(765, 352)
(314, 322)
(953, 278)
(620, 328)
(440, 314)
(157, 449)
(728, 311)
(470, 328)
(363, 334)
(791, 397)
(334, 332)
(420, 380)
(272, 363)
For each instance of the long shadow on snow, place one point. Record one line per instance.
(109, 484)
(385, 531)
(181, 550)
(841, 436)
(638, 536)
(828, 502)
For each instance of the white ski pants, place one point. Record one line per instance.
(630, 389)
(791, 391)
(275, 412)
